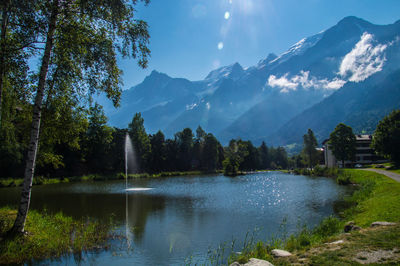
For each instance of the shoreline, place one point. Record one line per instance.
(377, 198)
(40, 180)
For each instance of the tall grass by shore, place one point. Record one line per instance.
(48, 236)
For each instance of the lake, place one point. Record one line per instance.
(178, 218)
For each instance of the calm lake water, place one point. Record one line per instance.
(182, 217)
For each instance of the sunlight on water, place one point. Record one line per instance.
(138, 189)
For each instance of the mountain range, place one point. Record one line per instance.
(348, 73)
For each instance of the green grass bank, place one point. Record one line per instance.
(48, 236)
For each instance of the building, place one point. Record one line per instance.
(364, 153)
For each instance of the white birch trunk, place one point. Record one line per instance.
(19, 223)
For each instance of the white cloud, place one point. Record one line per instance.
(304, 80)
(282, 82)
(364, 60)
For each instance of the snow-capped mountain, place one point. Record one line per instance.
(254, 103)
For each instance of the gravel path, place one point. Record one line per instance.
(392, 175)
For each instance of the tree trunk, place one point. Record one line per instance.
(19, 223)
(4, 23)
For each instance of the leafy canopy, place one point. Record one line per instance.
(343, 143)
(386, 140)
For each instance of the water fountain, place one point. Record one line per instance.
(131, 167)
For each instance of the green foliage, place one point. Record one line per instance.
(210, 152)
(342, 141)
(386, 137)
(140, 140)
(184, 141)
(234, 156)
(265, 159)
(318, 171)
(49, 235)
(309, 148)
(158, 152)
(98, 141)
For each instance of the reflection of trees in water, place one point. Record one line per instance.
(140, 206)
(106, 206)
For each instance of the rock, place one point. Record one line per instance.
(350, 226)
(258, 262)
(281, 253)
(375, 224)
(355, 228)
(253, 262)
(336, 242)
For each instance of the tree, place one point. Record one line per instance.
(198, 147)
(140, 140)
(18, 33)
(281, 158)
(184, 139)
(264, 156)
(81, 41)
(158, 152)
(309, 148)
(98, 141)
(386, 139)
(210, 153)
(234, 156)
(342, 141)
(251, 160)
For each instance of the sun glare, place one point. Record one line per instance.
(227, 15)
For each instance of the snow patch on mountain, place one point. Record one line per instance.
(299, 48)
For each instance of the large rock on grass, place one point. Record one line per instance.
(253, 262)
(280, 253)
(375, 224)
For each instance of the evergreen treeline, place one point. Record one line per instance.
(77, 141)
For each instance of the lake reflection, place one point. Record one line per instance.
(184, 216)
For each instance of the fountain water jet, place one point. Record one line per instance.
(130, 159)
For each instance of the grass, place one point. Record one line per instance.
(376, 198)
(49, 235)
(40, 180)
(318, 171)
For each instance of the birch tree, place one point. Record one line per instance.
(81, 41)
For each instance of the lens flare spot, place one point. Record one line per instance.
(220, 45)
(227, 15)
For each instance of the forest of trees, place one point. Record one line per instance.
(78, 141)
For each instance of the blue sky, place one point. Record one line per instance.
(189, 38)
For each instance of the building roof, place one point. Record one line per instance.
(363, 137)
(358, 138)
